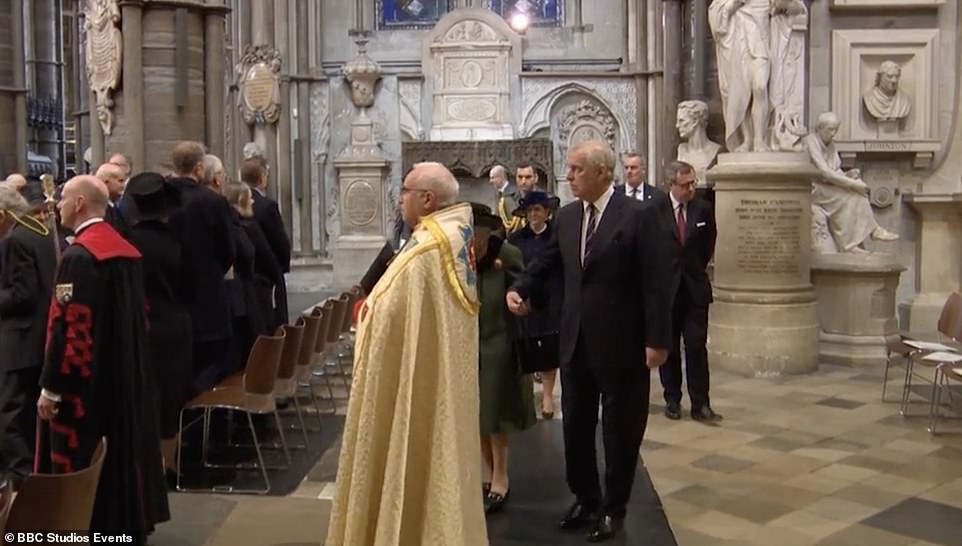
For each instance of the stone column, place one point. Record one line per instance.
(856, 306)
(13, 104)
(938, 260)
(763, 321)
(361, 171)
(214, 60)
(133, 76)
(46, 86)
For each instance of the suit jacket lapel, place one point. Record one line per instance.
(607, 225)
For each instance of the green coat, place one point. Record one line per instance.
(507, 396)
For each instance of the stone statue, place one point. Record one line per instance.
(789, 25)
(885, 101)
(741, 29)
(840, 198)
(698, 151)
(103, 54)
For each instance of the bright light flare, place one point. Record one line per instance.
(519, 22)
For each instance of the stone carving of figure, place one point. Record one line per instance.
(698, 151)
(841, 198)
(789, 24)
(885, 101)
(741, 29)
(103, 55)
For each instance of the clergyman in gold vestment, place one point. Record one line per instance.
(409, 468)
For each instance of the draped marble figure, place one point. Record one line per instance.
(760, 48)
(840, 198)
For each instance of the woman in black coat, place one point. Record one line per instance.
(168, 295)
(545, 320)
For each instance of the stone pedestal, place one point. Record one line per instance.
(856, 306)
(361, 170)
(938, 260)
(763, 321)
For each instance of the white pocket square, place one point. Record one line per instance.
(700, 224)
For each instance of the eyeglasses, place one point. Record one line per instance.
(405, 191)
(686, 185)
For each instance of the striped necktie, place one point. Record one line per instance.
(590, 231)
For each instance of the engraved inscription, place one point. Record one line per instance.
(471, 110)
(259, 87)
(768, 236)
(888, 146)
(360, 203)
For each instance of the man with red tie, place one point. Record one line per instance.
(691, 226)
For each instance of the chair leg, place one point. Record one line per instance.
(205, 443)
(885, 374)
(907, 387)
(936, 401)
(300, 419)
(180, 434)
(260, 456)
(280, 431)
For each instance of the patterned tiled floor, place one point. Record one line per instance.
(806, 460)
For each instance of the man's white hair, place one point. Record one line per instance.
(500, 171)
(12, 201)
(212, 164)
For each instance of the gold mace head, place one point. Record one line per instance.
(49, 188)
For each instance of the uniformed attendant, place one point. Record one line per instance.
(507, 404)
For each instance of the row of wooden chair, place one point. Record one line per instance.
(279, 367)
(939, 356)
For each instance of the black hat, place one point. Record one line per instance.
(536, 198)
(483, 217)
(33, 192)
(154, 197)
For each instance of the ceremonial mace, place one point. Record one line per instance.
(50, 191)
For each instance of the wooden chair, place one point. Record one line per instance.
(254, 396)
(57, 502)
(949, 332)
(326, 340)
(948, 372)
(894, 346)
(305, 359)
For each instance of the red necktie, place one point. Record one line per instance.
(681, 223)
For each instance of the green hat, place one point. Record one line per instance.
(483, 217)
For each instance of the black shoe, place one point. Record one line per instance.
(605, 528)
(494, 502)
(547, 415)
(706, 414)
(673, 411)
(578, 516)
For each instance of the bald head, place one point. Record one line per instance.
(113, 177)
(497, 177)
(439, 180)
(17, 180)
(84, 197)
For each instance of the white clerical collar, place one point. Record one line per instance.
(87, 223)
(602, 202)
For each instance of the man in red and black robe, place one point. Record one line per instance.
(97, 380)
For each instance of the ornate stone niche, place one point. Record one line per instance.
(471, 60)
(583, 121)
(858, 56)
(258, 77)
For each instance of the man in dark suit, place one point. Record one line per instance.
(114, 178)
(690, 230)
(202, 225)
(26, 286)
(614, 327)
(635, 186)
(254, 172)
(507, 199)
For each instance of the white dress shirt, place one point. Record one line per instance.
(674, 210)
(600, 205)
(640, 193)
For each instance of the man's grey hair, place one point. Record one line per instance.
(677, 167)
(437, 178)
(12, 201)
(499, 170)
(212, 164)
(598, 154)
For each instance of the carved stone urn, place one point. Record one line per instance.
(362, 73)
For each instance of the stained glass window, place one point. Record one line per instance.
(411, 14)
(542, 13)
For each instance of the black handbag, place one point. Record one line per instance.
(538, 353)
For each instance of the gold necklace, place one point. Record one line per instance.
(38, 228)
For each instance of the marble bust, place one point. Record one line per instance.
(885, 101)
(840, 201)
(698, 151)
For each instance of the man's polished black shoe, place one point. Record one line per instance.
(605, 528)
(578, 516)
(706, 414)
(673, 411)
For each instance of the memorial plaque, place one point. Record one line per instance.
(769, 236)
(360, 203)
(259, 87)
(258, 77)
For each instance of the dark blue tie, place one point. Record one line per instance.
(590, 231)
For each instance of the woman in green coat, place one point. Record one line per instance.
(507, 396)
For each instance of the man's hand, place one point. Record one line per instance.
(46, 408)
(516, 304)
(655, 357)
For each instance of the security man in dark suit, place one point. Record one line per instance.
(508, 199)
(689, 226)
(26, 287)
(254, 173)
(615, 326)
(635, 186)
(203, 227)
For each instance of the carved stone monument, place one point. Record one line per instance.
(885, 102)
(763, 320)
(471, 61)
(361, 171)
(697, 150)
(103, 56)
(258, 77)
